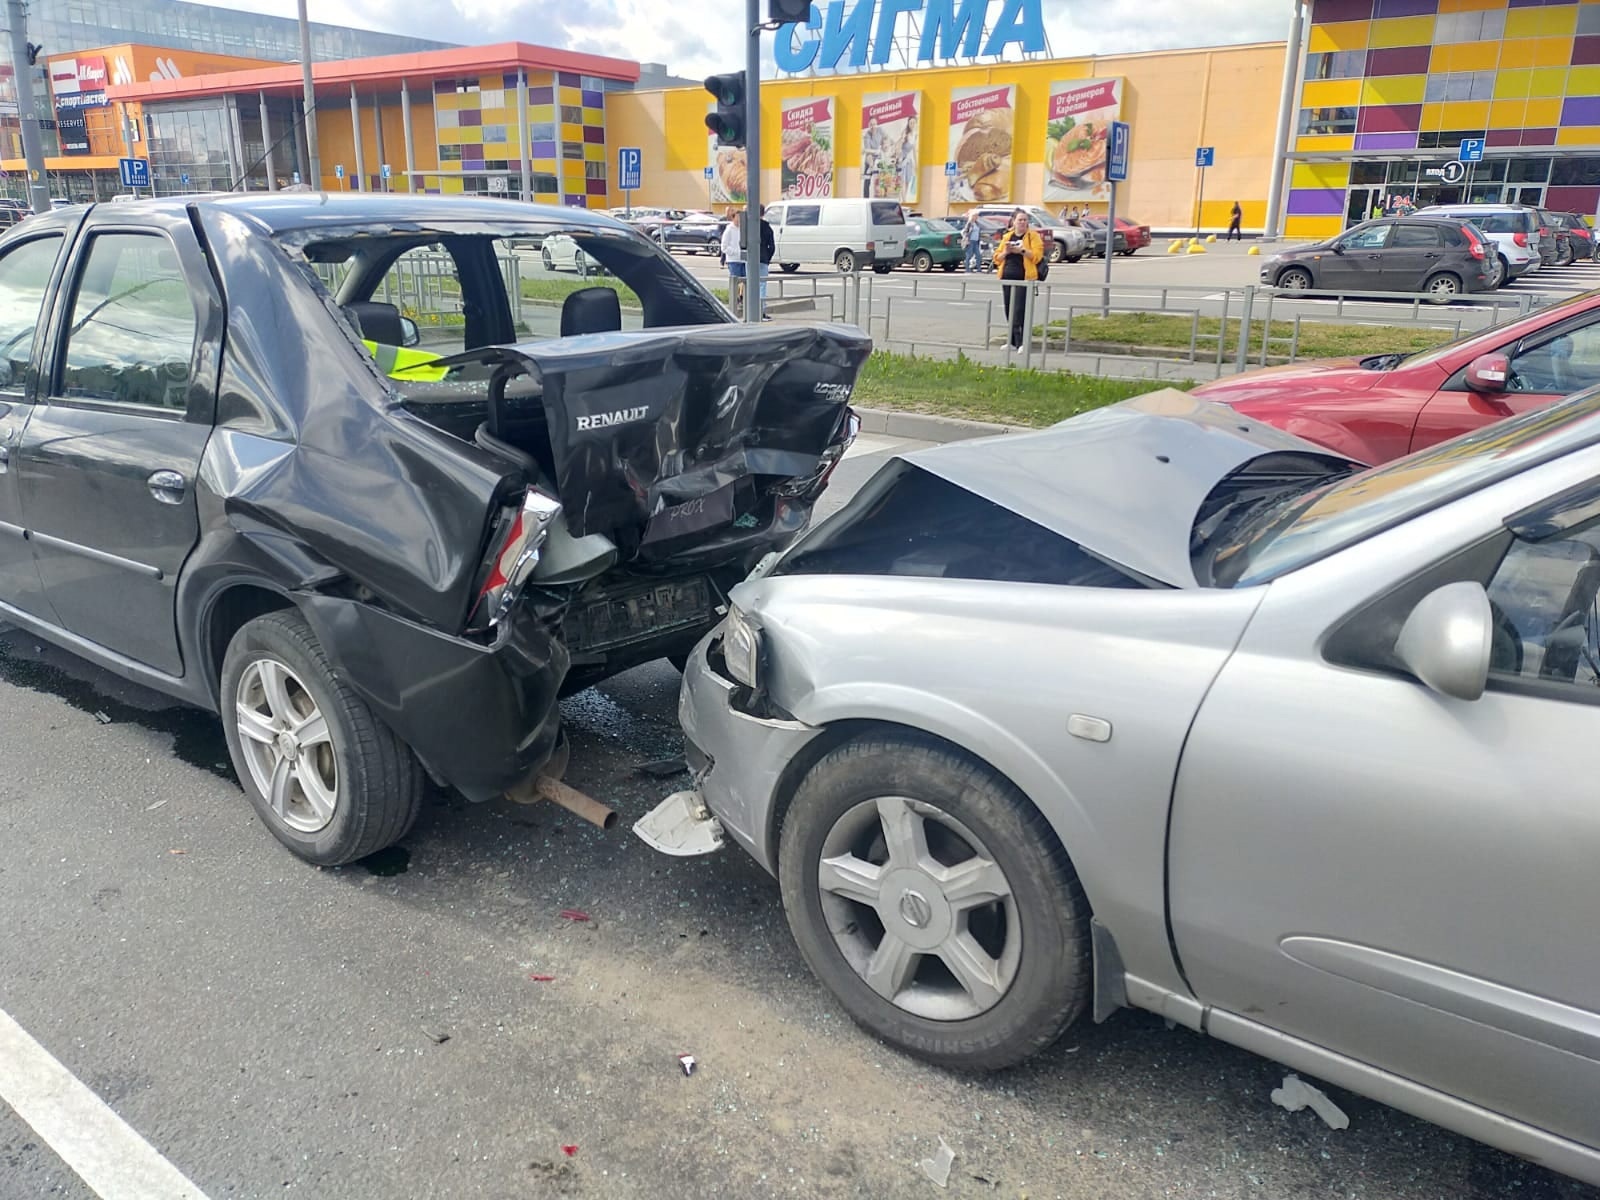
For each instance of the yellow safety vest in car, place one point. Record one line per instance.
(397, 362)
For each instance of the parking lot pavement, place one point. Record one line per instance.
(429, 1023)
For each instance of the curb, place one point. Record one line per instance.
(922, 427)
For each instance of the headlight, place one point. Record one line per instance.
(741, 648)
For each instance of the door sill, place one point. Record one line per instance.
(176, 686)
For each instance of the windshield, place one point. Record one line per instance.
(1550, 315)
(1296, 529)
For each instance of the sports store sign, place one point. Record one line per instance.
(76, 84)
(833, 39)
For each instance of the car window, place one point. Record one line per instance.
(423, 285)
(131, 335)
(803, 214)
(1567, 363)
(1543, 598)
(24, 278)
(775, 215)
(1413, 237)
(887, 212)
(1366, 239)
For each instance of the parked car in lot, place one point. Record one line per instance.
(13, 212)
(1382, 406)
(1441, 258)
(222, 481)
(1579, 235)
(695, 233)
(560, 252)
(1063, 241)
(1130, 238)
(1170, 710)
(1513, 228)
(933, 243)
(849, 232)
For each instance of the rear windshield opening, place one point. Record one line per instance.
(887, 212)
(924, 527)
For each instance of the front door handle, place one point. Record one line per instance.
(168, 487)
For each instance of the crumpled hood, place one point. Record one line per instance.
(661, 428)
(1124, 482)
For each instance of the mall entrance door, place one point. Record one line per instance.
(1359, 204)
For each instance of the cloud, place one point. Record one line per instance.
(696, 40)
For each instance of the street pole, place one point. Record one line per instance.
(314, 163)
(752, 162)
(27, 115)
(1200, 206)
(127, 141)
(1288, 105)
(1111, 245)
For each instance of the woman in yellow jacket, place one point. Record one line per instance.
(1017, 257)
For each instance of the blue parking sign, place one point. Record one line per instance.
(630, 168)
(1205, 156)
(1117, 159)
(135, 172)
(1471, 150)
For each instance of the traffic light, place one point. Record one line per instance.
(728, 122)
(783, 12)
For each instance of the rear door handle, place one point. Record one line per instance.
(167, 486)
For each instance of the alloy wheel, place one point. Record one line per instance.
(1443, 285)
(287, 745)
(919, 908)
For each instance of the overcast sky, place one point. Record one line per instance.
(703, 36)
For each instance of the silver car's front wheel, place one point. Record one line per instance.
(934, 901)
(919, 909)
(287, 746)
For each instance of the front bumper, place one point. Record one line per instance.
(480, 717)
(738, 759)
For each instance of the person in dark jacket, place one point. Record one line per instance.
(1235, 218)
(769, 250)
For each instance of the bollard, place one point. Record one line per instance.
(1253, 250)
(1176, 247)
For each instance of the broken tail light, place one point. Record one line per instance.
(814, 484)
(514, 560)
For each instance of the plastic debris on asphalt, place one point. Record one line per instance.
(153, 807)
(1296, 1094)
(664, 768)
(542, 978)
(574, 914)
(438, 1039)
(686, 1061)
(938, 1167)
(569, 1151)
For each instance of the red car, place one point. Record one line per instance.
(1137, 236)
(1384, 406)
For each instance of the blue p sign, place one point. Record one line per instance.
(630, 168)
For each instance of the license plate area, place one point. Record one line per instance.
(638, 613)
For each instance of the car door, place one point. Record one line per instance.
(28, 269)
(1402, 878)
(1356, 261)
(109, 460)
(1412, 253)
(1545, 366)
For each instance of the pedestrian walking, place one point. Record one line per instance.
(769, 250)
(1016, 260)
(733, 255)
(972, 244)
(1235, 219)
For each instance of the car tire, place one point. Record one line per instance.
(1036, 972)
(1442, 288)
(882, 268)
(949, 267)
(1567, 257)
(549, 259)
(922, 261)
(1503, 272)
(276, 669)
(1127, 253)
(1055, 252)
(1072, 258)
(1294, 279)
(844, 262)
(788, 268)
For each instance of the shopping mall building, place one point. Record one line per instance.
(1364, 100)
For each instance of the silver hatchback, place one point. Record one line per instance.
(1163, 708)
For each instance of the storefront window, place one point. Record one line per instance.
(1528, 170)
(1575, 172)
(1337, 64)
(1327, 120)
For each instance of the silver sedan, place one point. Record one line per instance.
(1163, 708)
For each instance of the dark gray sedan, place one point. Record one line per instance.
(1440, 257)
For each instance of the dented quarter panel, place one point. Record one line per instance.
(997, 669)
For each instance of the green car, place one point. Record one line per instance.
(932, 243)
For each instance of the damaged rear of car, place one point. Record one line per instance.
(435, 486)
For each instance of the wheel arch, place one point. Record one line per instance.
(227, 611)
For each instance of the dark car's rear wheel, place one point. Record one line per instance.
(934, 902)
(1442, 288)
(789, 268)
(328, 779)
(1295, 279)
(922, 261)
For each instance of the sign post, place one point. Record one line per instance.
(1204, 156)
(630, 173)
(1116, 172)
(384, 174)
(338, 173)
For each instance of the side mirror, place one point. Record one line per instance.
(1445, 641)
(1488, 374)
(410, 335)
(1337, 247)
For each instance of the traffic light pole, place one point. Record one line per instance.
(27, 114)
(752, 161)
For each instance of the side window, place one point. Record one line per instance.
(803, 214)
(423, 286)
(1367, 239)
(1414, 237)
(131, 335)
(1546, 620)
(24, 278)
(1566, 363)
(775, 215)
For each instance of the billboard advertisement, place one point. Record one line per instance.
(890, 125)
(983, 121)
(730, 181)
(808, 143)
(1078, 120)
(76, 85)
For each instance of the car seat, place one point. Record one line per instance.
(377, 322)
(591, 310)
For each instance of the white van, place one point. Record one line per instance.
(848, 232)
(1513, 228)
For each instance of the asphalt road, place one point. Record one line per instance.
(378, 1031)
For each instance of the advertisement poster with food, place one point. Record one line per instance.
(982, 123)
(729, 181)
(807, 148)
(890, 164)
(1078, 120)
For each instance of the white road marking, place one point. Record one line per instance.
(102, 1148)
